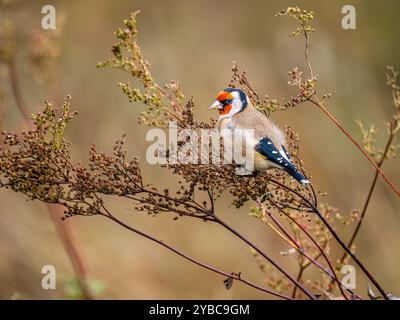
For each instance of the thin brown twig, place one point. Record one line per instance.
(331, 117)
(321, 106)
(270, 260)
(64, 230)
(307, 44)
(65, 233)
(369, 196)
(302, 268)
(16, 89)
(170, 97)
(209, 216)
(331, 274)
(213, 218)
(252, 245)
(236, 276)
(336, 236)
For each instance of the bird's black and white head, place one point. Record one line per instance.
(229, 102)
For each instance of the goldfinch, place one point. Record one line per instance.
(237, 112)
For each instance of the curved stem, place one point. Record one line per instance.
(330, 116)
(336, 236)
(63, 230)
(213, 217)
(355, 259)
(369, 196)
(65, 233)
(299, 275)
(16, 89)
(235, 276)
(333, 119)
(277, 266)
(331, 274)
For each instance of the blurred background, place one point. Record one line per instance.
(195, 42)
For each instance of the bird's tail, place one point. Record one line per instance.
(298, 176)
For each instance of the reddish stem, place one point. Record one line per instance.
(63, 230)
(336, 236)
(369, 196)
(277, 266)
(235, 276)
(330, 116)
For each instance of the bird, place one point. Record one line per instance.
(268, 141)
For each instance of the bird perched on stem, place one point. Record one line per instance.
(267, 141)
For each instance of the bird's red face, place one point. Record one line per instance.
(223, 103)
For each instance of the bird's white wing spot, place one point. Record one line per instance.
(283, 153)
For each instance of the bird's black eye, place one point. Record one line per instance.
(226, 102)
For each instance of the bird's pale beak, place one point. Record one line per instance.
(216, 105)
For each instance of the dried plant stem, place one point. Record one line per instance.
(282, 233)
(65, 233)
(312, 260)
(299, 276)
(211, 216)
(235, 276)
(16, 89)
(331, 117)
(64, 230)
(263, 254)
(285, 235)
(314, 100)
(369, 196)
(307, 44)
(355, 259)
(335, 235)
(303, 267)
(178, 105)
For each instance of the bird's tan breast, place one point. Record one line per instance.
(250, 118)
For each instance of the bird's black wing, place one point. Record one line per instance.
(267, 149)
